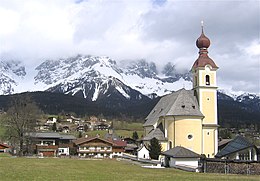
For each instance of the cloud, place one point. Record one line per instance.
(156, 30)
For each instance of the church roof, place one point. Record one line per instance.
(179, 103)
(181, 152)
(237, 144)
(156, 133)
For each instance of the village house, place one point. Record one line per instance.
(96, 147)
(181, 157)
(4, 148)
(51, 144)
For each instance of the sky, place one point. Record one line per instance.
(161, 31)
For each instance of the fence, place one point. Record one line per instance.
(231, 166)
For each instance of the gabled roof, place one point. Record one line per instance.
(156, 133)
(112, 136)
(237, 144)
(88, 139)
(180, 152)
(4, 145)
(180, 103)
(45, 135)
(52, 135)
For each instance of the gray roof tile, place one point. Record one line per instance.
(181, 152)
(180, 103)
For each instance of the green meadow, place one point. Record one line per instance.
(79, 169)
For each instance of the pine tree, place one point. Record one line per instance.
(135, 135)
(155, 149)
(54, 127)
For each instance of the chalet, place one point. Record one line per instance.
(95, 147)
(4, 148)
(101, 126)
(131, 146)
(51, 144)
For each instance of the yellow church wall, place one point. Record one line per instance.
(209, 142)
(164, 146)
(186, 127)
(208, 106)
(170, 129)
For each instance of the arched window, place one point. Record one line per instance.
(170, 145)
(207, 80)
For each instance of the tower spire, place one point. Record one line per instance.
(202, 25)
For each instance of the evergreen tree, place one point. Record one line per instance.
(54, 127)
(135, 135)
(155, 149)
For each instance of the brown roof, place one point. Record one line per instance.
(88, 139)
(4, 145)
(204, 60)
(118, 143)
(203, 41)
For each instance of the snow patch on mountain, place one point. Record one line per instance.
(11, 73)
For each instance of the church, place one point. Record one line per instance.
(188, 118)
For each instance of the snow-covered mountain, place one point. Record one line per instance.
(92, 77)
(11, 73)
(98, 77)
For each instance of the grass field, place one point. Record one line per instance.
(76, 169)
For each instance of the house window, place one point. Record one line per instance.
(207, 80)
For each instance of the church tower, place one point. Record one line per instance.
(205, 89)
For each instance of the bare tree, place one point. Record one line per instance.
(21, 120)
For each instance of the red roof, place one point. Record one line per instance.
(119, 143)
(4, 145)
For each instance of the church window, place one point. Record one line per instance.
(170, 145)
(207, 133)
(190, 136)
(193, 107)
(183, 106)
(207, 80)
(196, 81)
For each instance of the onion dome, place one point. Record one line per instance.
(203, 44)
(203, 41)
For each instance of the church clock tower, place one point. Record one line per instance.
(205, 89)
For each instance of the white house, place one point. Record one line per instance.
(181, 157)
(51, 120)
(143, 152)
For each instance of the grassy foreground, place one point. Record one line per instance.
(75, 169)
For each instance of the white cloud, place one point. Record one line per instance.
(160, 31)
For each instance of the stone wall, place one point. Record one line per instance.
(231, 166)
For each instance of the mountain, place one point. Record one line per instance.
(128, 89)
(95, 77)
(11, 72)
